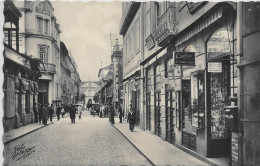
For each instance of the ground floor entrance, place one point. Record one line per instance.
(170, 116)
(157, 114)
(43, 92)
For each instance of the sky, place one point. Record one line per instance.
(85, 30)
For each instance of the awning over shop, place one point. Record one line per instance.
(132, 75)
(16, 57)
(204, 23)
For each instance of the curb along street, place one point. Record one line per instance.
(20, 136)
(134, 146)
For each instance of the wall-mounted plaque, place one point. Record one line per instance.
(150, 42)
(214, 67)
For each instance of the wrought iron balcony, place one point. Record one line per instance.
(48, 68)
(166, 27)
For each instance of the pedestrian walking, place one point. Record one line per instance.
(80, 111)
(120, 113)
(45, 114)
(72, 113)
(35, 111)
(112, 114)
(40, 112)
(131, 118)
(58, 111)
(65, 109)
(51, 111)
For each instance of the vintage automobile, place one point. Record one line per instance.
(95, 109)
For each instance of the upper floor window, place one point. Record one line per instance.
(147, 24)
(125, 51)
(42, 25)
(46, 26)
(10, 35)
(137, 36)
(39, 24)
(157, 10)
(43, 53)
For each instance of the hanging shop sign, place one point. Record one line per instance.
(185, 58)
(214, 67)
(150, 42)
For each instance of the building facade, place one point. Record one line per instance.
(21, 74)
(105, 76)
(131, 27)
(117, 63)
(70, 80)
(89, 89)
(40, 37)
(192, 75)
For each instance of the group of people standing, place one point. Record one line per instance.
(45, 112)
(131, 116)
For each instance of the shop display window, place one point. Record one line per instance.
(197, 99)
(219, 100)
(178, 109)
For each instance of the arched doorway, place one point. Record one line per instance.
(218, 88)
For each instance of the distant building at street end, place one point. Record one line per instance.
(89, 89)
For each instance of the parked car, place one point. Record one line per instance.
(95, 109)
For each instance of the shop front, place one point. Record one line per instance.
(220, 78)
(203, 90)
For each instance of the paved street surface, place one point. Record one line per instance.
(158, 151)
(91, 141)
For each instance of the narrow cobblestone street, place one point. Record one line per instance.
(90, 141)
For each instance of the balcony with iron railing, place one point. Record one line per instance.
(128, 13)
(48, 68)
(166, 26)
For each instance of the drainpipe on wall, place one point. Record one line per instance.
(142, 104)
(239, 54)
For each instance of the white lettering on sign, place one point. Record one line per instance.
(214, 67)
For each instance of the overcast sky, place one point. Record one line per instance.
(85, 26)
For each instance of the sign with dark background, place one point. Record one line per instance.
(185, 58)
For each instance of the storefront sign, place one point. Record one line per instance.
(161, 32)
(150, 42)
(185, 58)
(214, 67)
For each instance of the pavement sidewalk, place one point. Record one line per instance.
(24, 130)
(157, 151)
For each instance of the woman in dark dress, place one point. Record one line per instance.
(131, 118)
(72, 113)
(45, 115)
(40, 112)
